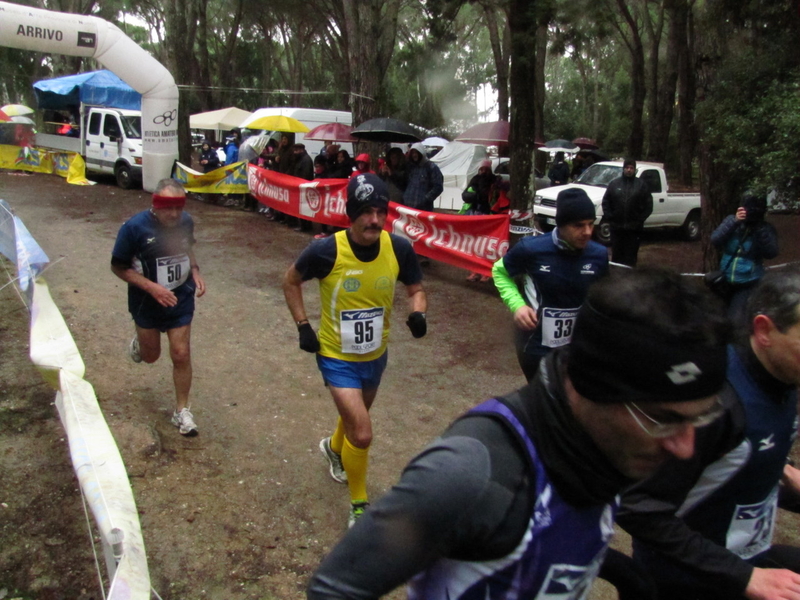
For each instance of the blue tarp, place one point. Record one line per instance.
(98, 88)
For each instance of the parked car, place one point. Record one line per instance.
(669, 209)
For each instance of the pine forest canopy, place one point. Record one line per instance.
(709, 87)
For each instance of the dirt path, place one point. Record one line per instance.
(247, 509)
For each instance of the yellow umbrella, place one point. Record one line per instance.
(16, 110)
(277, 123)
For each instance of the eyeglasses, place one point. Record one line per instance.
(659, 429)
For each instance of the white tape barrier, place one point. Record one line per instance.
(95, 456)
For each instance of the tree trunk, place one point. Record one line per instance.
(654, 34)
(539, 93)
(500, 51)
(687, 92)
(181, 61)
(371, 34)
(635, 143)
(677, 50)
(523, 83)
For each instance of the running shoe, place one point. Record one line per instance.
(184, 421)
(334, 461)
(356, 510)
(133, 350)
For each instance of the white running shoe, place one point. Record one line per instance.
(356, 510)
(334, 461)
(133, 350)
(184, 421)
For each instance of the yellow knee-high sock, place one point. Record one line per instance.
(337, 439)
(355, 461)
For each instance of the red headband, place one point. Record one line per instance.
(168, 201)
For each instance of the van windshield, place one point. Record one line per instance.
(599, 175)
(132, 126)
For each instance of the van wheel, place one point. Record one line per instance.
(691, 226)
(602, 233)
(124, 176)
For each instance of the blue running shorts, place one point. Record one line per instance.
(164, 321)
(347, 374)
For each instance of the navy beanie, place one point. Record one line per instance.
(573, 204)
(629, 161)
(365, 191)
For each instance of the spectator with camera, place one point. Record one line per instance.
(745, 240)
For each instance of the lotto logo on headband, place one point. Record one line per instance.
(683, 373)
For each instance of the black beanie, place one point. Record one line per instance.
(364, 191)
(629, 161)
(573, 204)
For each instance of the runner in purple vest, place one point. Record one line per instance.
(517, 498)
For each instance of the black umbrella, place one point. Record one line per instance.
(559, 146)
(385, 129)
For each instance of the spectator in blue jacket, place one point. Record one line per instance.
(232, 144)
(745, 240)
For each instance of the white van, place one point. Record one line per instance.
(110, 142)
(310, 117)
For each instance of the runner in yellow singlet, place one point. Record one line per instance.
(357, 269)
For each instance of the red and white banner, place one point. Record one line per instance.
(470, 242)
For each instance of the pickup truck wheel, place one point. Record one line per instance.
(602, 233)
(124, 176)
(691, 226)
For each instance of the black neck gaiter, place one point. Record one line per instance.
(582, 475)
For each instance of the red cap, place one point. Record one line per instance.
(363, 158)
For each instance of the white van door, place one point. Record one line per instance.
(103, 137)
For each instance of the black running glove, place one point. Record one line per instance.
(308, 339)
(417, 324)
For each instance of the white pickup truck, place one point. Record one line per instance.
(669, 209)
(110, 142)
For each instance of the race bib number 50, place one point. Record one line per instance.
(361, 330)
(172, 271)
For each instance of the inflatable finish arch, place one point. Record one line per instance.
(41, 30)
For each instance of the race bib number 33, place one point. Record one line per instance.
(557, 326)
(361, 330)
(172, 271)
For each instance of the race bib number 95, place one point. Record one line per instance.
(172, 271)
(361, 330)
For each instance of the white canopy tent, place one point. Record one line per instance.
(221, 120)
(458, 162)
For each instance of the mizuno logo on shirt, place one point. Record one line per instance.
(353, 272)
(766, 443)
(544, 268)
(683, 373)
(151, 240)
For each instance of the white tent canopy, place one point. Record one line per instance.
(458, 162)
(223, 119)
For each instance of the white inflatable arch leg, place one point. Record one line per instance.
(40, 30)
